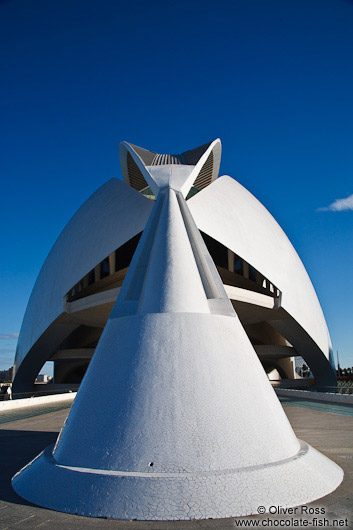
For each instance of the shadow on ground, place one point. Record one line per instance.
(330, 433)
(17, 448)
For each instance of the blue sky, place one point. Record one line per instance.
(273, 80)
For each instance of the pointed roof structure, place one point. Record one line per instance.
(138, 163)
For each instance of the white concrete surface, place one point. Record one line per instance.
(224, 210)
(178, 496)
(93, 300)
(37, 400)
(110, 217)
(175, 417)
(229, 213)
(250, 297)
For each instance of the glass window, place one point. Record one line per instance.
(252, 273)
(123, 255)
(238, 265)
(104, 268)
(91, 277)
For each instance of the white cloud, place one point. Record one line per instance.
(6, 336)
(339, 205)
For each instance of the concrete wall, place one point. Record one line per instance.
(317, 396)
(33, 401)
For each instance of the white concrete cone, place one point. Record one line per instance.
(175, 417)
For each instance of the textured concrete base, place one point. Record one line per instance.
(178, 496)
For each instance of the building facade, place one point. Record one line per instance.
(262, 274)
(175, 417)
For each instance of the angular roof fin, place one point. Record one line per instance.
(138, 164)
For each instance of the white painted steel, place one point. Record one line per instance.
(229, 213)
(157, 176)
(216, 148)
(170, 175)
(110, 217)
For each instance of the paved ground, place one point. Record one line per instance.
(7, 416)
(23, 439)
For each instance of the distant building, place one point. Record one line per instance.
(42, 378)
(262, 274)
(6, 375)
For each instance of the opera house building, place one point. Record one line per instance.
(177, 296)
(262, 274)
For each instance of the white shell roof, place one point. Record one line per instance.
(111, 216)
(229, 213)
(224, 210)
